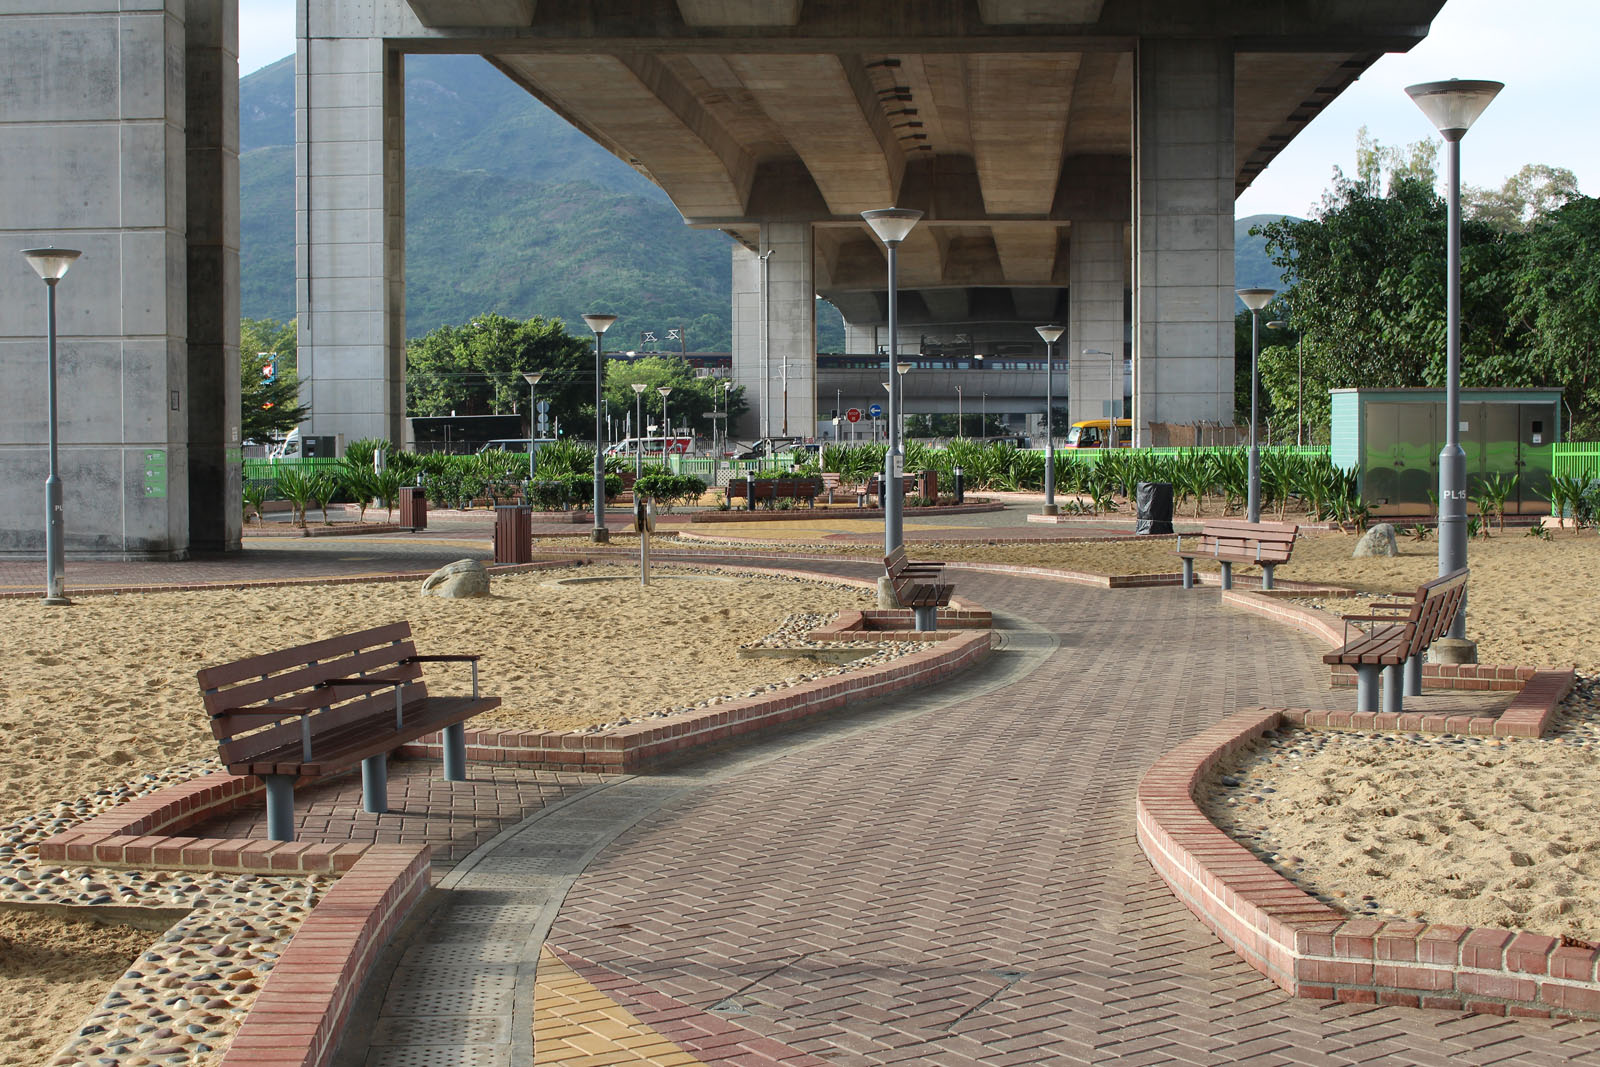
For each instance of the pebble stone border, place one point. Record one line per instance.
(1312, 950)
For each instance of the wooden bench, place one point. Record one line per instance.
(917, 586)
(320, 708)
(1398, 634)
(776, 489)
(1230, 541)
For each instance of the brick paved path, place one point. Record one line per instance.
(965, 888)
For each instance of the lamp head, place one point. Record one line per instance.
(599, 323)
(1277, 324)
(639, 387)
(1454, 105)
(903, 367)
(533, 377)
(51, 264)
(1256, 299)
(892, 224)
(664, 390)
(1051, 333)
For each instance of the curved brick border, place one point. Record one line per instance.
(1311, 950)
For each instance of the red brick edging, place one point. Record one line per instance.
(1311, 950)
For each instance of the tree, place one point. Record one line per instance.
(267, 409)
(477, 368)
(691, 396)
(269, 335)
(1527, 196)
(1555, 298)
(1369, 303)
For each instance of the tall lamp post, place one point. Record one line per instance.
(532, 378)
(51, 265)
(1051, 335)
(1453, 106)
(1255, 300)
(959, 433)
(638, 431)
(892, 226)
(666, 423)
(599, 324)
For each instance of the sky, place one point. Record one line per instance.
(1539, 49)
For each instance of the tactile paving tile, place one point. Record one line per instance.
(404, 1002)
(491, 913)
(439, 1056)
(440, 1030)
(442, 932)
(453, 976)
(427, 955)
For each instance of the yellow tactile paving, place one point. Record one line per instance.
(577, 1025)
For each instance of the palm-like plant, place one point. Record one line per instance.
(255, 498)
(1495, 488)
(297, 487)
(360, 483)
(324, 487)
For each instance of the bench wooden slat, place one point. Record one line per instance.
(1433, 608)
(389, 660)
(352, 742)
(273, 662)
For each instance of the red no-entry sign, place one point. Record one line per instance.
(853, 415)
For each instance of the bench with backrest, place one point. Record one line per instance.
(320, 708)
(1393, 639)
(917, 586)
(833, 482)
(1230, 541)
(775, 489)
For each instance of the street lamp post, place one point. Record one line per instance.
(959, 433)
(666, 423)
(638, 422)
(599, 324)
(532, 378)
(892, 225)
(1255, 300)
(1452, 106)
(1051, 335)
(51, 264)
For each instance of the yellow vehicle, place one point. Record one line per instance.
(1092, 433)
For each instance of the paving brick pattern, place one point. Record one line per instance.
(452, 817)
(937, 891)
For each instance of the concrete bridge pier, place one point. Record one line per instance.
(775, 331)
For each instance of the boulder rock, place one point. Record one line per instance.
(463, 578)
(1377, 541)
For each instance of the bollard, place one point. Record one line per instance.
(749, 490)
(961, 487)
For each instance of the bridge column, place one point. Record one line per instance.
(775, 331)
(1183, 232)
(1098, 269)
(350, 232)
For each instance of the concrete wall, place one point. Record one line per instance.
(350, 234)
(777, 334)
(97, 142)
(1098, 267)
(1183, 232)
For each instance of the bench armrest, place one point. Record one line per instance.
(467, 657)
(1370, 618)
(371, 682)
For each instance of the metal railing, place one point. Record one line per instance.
(1576, 459)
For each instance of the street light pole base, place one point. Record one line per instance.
(600, 535)
(55, 601)
(1050, 509)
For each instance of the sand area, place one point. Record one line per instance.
(105, 691)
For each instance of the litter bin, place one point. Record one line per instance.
(513, 534)
(928, 485)
(414, 508)
(1155, 508)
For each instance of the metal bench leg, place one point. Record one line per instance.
(1414, 676)
(455, 753)
(1188, 574)
(375, 784)
(927, 618)
(1391, 690)
(1227, 575)
(280, 806)
(1367, 688)
(1266, 575)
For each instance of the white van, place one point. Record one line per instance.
(678, 445)
(289, 449)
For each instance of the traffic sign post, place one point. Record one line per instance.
(853, 415)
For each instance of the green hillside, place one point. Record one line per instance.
(1251, 267)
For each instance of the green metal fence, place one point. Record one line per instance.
(1576, 459)
(265, 470)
